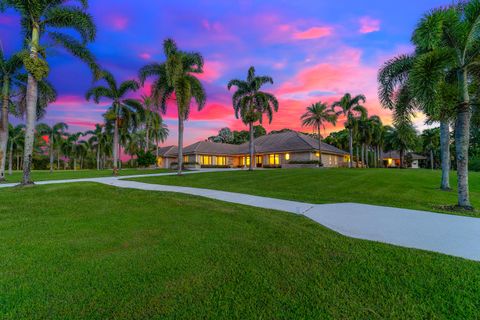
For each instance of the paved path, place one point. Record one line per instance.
(453, 235)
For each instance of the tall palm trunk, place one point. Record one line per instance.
(98, 157)
(431, 159)
(367, 162)
(363, 154)
(74, 163)
(51, 153)
(115, 147)
(251, 147)
(58, 159)
(462, 140)
(402, 156)
(10, 159)
(320, 164)
(358, 156)
(32, 97)
(350, 144)
(180, 145)
(445, 154)
(4, 128)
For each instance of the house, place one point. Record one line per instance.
(280, 150)
(391, 159)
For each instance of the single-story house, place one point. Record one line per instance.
(391, 159)
(280, 150)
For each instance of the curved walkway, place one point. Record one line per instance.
(453, 235)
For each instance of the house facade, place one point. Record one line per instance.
(281, 150)
(391, 159)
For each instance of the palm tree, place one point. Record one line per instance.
(176, 78)
(54, 133)
(316, 116)
(159, 131)
(431, 141)
(351, 108)
(447, 39)
(250, 104)
(122, 112)
(16, 135)
(97, 141)
(9, 78)
(42, 19)
(147, 102)
(401, 137)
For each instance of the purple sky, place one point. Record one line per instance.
(314, 50)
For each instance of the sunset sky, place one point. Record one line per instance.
(314, 50)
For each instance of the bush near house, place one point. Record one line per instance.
(145, 159)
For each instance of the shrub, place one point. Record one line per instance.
(215, 166)
(145, 159)
(474, 164)
(304, 162)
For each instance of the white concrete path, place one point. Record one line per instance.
(453, 235)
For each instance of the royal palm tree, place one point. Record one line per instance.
(122, 112)
(448, 43)
(9, 77)
(251, 104)
(176, 78)
(316, 116)
(16, 135)
(351, 107)
(54, 133)
(43, 20)
(147, 103)
(158, 131)
(431, 141)
(97, 141)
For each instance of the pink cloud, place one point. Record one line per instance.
(212, 70)
(313, 33)
(145, 56)
(369, 25)
(117, 22)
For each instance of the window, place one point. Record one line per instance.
(245, 161)
(274, 159)
(206, 160)
(221, 161)
(185, 159)
(287, 156)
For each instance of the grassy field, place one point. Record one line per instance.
(89, 251)
(42, 175)
(414, 189)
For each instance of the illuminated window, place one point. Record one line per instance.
(287, 156)
(222, 161)
(185, 158)
(259, 159)
(206, 160)
(245, 161)
(274, 159)
(317, 154)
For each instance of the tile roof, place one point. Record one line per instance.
(290, 141)
(396, 155)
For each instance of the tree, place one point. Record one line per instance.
(9, 77)
(122, 112)
(338, 139)
(350, 107)
(402, 137)
(397, 93)
(448, 41)
(158, 131)
(16, 135)
(54, 133)
(316, 116)
(97, 141)
(176, 77)
(251, 104)
(431, 142)
(42, 19)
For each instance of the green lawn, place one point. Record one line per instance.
(89, 251)
(41, 175)
(414, 189)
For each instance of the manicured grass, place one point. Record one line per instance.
(42, 175)
(88, 251)
(413, 189)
